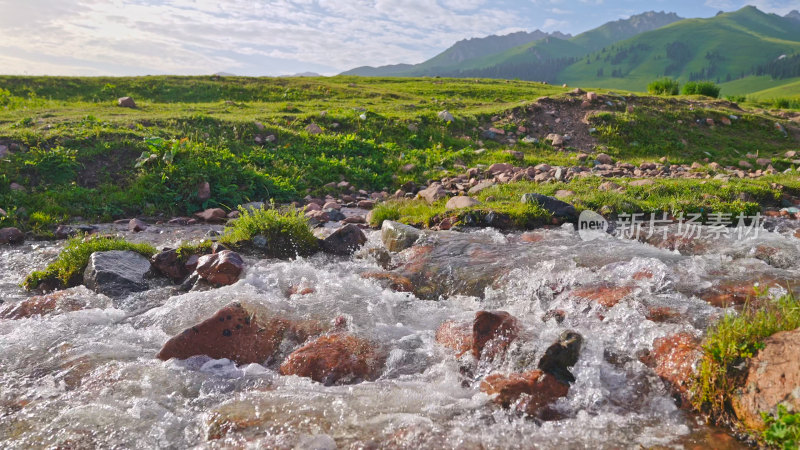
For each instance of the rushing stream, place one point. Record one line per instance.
(89, 378)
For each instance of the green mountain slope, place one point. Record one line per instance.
(460, 52)
(723, 48)
(622, 29)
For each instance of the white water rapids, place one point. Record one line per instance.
(90, 379)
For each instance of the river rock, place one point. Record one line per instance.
(536, 388)
(344, 241)
(492, 333)
(604, 295)
(562, 355)
(237, 332)
(773, 377)
(11, 235)
(335, 359)
(136, 225)
(169, 264)
(68, 300)
(673, 359)
(221, 268)
(397, 236)
(212, 215)
(557, 208)
(455, 336)
(461, 201)
(126, 102)
(433, 193)
(116, 273)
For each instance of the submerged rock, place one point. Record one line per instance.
(221, 268)
(237, 332)
(674, 358)
(562, 355)
(116, 273)
(344, 241)
(335, 359)
(534, 390)
(68, 300)
(492, 332)
(397, 236)
(773, 378)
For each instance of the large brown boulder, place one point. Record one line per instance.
(533, 390)
(237, 332)
(221, 268)
(773, 377)
(335, 359)
(170, 264)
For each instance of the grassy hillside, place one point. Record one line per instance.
(71, 152)
(722, 48)
(790, 89)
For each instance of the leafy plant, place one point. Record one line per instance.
(707, 88)
(281, 234)
(664, 86)
(783, 429)
(67, 269)
(733, 339)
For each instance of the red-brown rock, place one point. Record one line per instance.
(773, 377)
(335, 359)
(236, 332)
(455, 336)
(212, 215)
(674, 358)
(169, 264)
(390, 280)
(136, 225)
(41, 305)
(604, 295)
(220, 268)
(533, 390)
(492, 332)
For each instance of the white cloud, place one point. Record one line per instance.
(553, 24)
(205, 36)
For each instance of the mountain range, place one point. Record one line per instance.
(745, 51)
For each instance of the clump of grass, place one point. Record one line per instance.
(783, 429)
(67, 269)
(706, 88)
(384, 211)
(729, 343)
(278, 233)
(664, 86)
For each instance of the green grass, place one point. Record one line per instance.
(706, 88)
(285, 234)
(82, 156)
(67, 270)
(664, 86)
(673, 196)
(728, 343)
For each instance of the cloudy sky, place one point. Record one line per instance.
(275, 37)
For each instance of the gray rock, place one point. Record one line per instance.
(555, 206)
(126, 102)
(116, 273)
(481, 186)
(397, 236)
(433, 193)
(334, 215)
(461, 201)
(11, 235)
(446, 116)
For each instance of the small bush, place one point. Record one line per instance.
(706, 88)
(786, 103)
(783, 429)
(67, 269)
(283, 234)
(732, 340)
(664, 86)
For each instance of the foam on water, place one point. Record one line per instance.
(90, 377)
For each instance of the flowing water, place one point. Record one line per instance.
(89, 378)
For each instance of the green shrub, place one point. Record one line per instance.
(785, 103)
(664, 86)
(67, 269)
(783, 429)
(732, 340)
(706, 88)
(280, 234)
